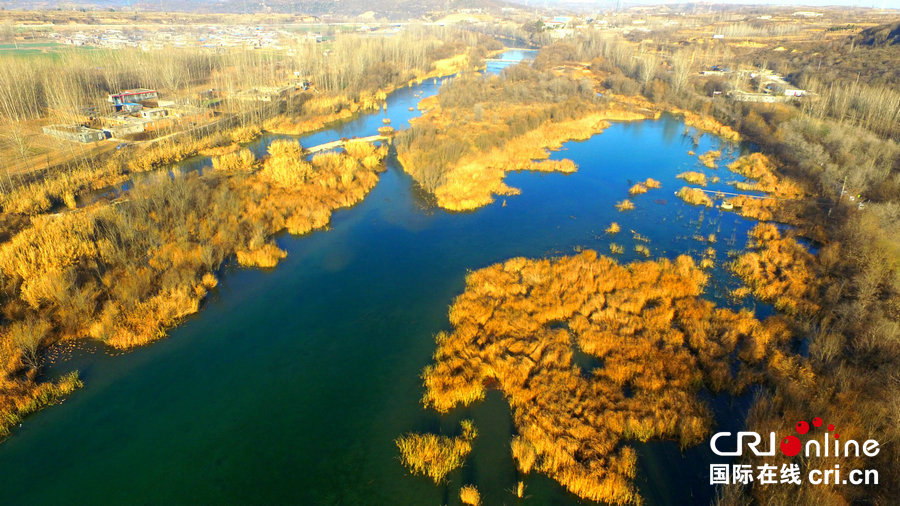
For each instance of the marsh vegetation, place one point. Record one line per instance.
(125, 273)
(436, 456)
(481, 127)
(518, 324)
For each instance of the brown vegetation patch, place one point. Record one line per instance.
(19, 397)
(468, 494)
(709, 158)
(436, 456)
(761, 169)
(124, 274)
(637, 189)
(477, 129)
(709, 124)
(694, 196)
(693, 177)
(779, 270)
(516, 327)
(762, 209)
(473, 181)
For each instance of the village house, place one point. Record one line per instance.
(77, 133)
(132, 96)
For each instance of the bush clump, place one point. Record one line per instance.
(436, 456)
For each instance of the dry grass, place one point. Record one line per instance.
(693, 177)
(779, 270)
(158, 250)
(242, 160)
(20, 398)
(66, 183)
(755, 208)
(762, 170)
(472, 182)
(646, 324)
(709, 158)
(243, 135)
(322, 111)
(469, 495)
(637, 189)
(694, 196)
(266, 256)
(524, 454)
(462, 153)
(436, 456)
(707, 124)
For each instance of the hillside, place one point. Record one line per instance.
(399, 9)
(879, 36)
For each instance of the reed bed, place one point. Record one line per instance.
(761, 169)
(707, 123)
(779, 270)
(478, 129)
(637, 189)
(469, 494)
(709, 158)
(515, 326)
(694, 196)
(124, 274)
(436, 456)
(693, 177)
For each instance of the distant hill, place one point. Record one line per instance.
(391, 9)
(885, 35)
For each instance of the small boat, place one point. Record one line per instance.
(728, 206)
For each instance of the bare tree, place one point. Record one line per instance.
(681, 69)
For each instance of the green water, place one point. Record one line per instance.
(291, 384)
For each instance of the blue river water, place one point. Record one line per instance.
(291, 384)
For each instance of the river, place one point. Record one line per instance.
(291, 384)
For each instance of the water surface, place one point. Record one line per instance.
(291, 384)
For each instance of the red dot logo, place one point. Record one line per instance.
(831, 427)
(836, 435)
(817, 422)
(802, 427)
(790, 446)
